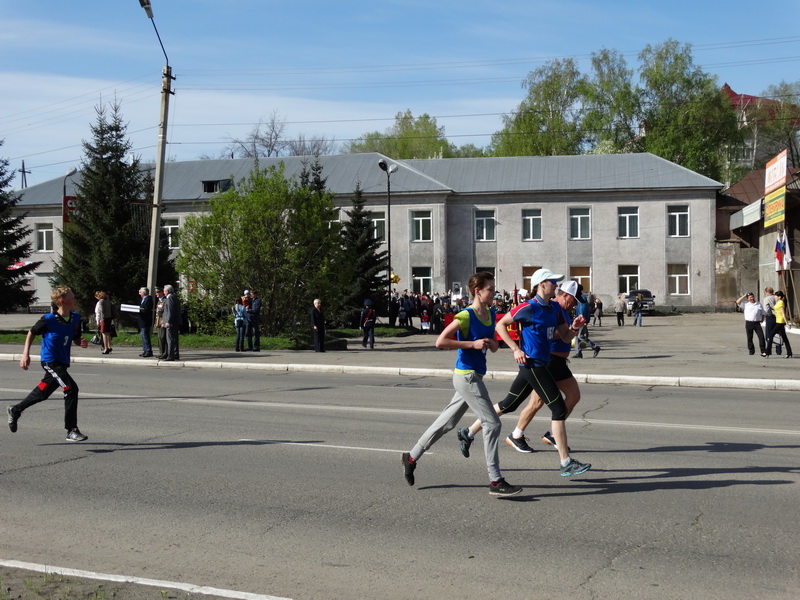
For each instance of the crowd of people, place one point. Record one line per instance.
(772, 314)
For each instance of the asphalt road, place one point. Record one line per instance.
(290, 485)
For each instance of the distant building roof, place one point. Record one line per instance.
(460, 176)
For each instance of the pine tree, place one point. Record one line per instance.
(106, 243)
(363, 267)
(15, 247)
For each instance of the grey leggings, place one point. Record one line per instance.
(470, 393)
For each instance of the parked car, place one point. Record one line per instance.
(648, 301)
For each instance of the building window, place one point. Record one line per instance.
(531, 224)
(44, 237)
(628, 278)
(527, 274)
(628, 219)
(212, 187)
(678, 280)
(171, 232)
(582, 275)
(378, 226)
(422, 279)
(421, 226)
(580, 223)
(484, 225)
(678, 220)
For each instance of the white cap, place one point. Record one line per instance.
(246, 292)
(543, 275)
(574, 289)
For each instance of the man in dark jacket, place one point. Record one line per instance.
(145, 321)
(318, 326)
(171, 321)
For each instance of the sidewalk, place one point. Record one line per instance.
(692, 350)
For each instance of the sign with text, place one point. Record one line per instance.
(775, 175)
(69, 208)
(775, 207)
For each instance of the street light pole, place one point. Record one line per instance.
(158, 190)
(389, 169)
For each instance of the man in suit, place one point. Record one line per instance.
(318, 326)
(254, 323)
(171, 321)
(145, 321)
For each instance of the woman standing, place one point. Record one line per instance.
(102, 312)
(367, 325)
(239, 322)
(781, 322)
(597, 313)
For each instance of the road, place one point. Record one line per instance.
(291, 485)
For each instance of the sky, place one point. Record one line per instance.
(336, 70)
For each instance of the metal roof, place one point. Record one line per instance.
(183, 181)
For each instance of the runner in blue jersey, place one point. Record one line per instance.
(473, 329)
(566, 298)
(58, 330)
(541, 320)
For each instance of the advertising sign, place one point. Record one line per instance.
(775, 207)
(775, 175)
(69, 208)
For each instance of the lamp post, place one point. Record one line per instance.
(158, 190)
(64, 207)
(388, 169)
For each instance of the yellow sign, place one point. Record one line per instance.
(775, 207)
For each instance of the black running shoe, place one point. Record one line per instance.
(519, 444)
(12, 419)
(596, 351)
(503, 488)
(548, 438)
(75, 435)
(408, 468)
(574, 467)
(462, 433)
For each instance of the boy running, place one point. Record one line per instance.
(58, 331)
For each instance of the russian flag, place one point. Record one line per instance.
(779, 253)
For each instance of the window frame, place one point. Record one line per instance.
(631, 279)
(45, 237)
(627, 221)
(531, 222)
(172, 232)
(578, 221)
(677, 279)
(418, 225)
(378, 221)
(485, 225)
(674, 214)
(418, 281)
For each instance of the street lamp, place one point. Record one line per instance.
(388, 169)
(65, 208)
(158, 190)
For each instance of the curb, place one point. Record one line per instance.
(785, 385)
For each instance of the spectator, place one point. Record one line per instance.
(171, 322)
(102, 312)
(254, 322)
(367, 325)
(620, 307)
(159, 320)
(753, 315)
(145, 321)
(239, 323)
(636, 309)
(318, 326)
(770, 299)
(781, 323)
(597, 312)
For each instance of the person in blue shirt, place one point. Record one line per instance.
(59, 330)
(541, 320)
(472, 334)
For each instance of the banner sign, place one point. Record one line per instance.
(69, 208)
(775, 175)
(775, 207)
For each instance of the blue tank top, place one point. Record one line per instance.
(539, 323)
(559, 345)
(471, 329)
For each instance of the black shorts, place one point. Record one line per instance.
(559, 368)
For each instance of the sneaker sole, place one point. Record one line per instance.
(582, 471)
(12, 421)
(517, 448)
(549, 443)
(505, 494)
(76, 441)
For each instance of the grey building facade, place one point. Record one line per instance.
(612, 222)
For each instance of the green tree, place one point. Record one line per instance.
(362, 267)
(15, 247)
(611, 103)
(687, 119)
(776, 124)
(106, 242)
(409, 137)
(265, 232)
(548, 121)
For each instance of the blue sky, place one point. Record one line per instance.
(336, 70)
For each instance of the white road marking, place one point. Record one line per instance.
(175, 585)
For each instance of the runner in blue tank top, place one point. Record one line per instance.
(473, 329)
